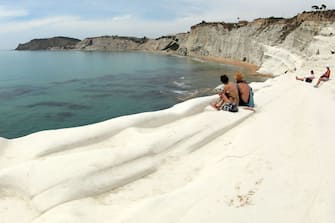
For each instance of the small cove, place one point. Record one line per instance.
(42, 90)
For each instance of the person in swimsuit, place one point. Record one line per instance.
(324, 77)
(243, 89)
(228, 95)
(309, 78)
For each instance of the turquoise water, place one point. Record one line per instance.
(42, 90)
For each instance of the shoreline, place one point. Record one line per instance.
(252, 68)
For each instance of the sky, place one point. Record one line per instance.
(23, 20)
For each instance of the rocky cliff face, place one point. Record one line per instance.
(122, 43)
(110, 43)
(245, 41)
(49, 43)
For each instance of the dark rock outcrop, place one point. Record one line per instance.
(49, 44)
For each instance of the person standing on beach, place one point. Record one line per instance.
(228, 100)
(309, 78)
(324, 77)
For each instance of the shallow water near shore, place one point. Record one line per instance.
(42, 90)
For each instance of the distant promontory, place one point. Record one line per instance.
(58, 42)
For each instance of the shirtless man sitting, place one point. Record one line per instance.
(228, 96)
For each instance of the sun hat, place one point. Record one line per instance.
(327, 65)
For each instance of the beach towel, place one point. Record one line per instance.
(251, 102)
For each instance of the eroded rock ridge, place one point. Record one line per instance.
(244, 41)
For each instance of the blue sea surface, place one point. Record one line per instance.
(42, 90)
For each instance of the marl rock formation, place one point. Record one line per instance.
(244, 41)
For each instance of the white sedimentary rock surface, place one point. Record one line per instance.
(189, 163)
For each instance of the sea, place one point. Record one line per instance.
(41, 90)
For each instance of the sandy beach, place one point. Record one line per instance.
(252, 68)
(188, 163)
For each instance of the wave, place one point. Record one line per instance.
(179, 84)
